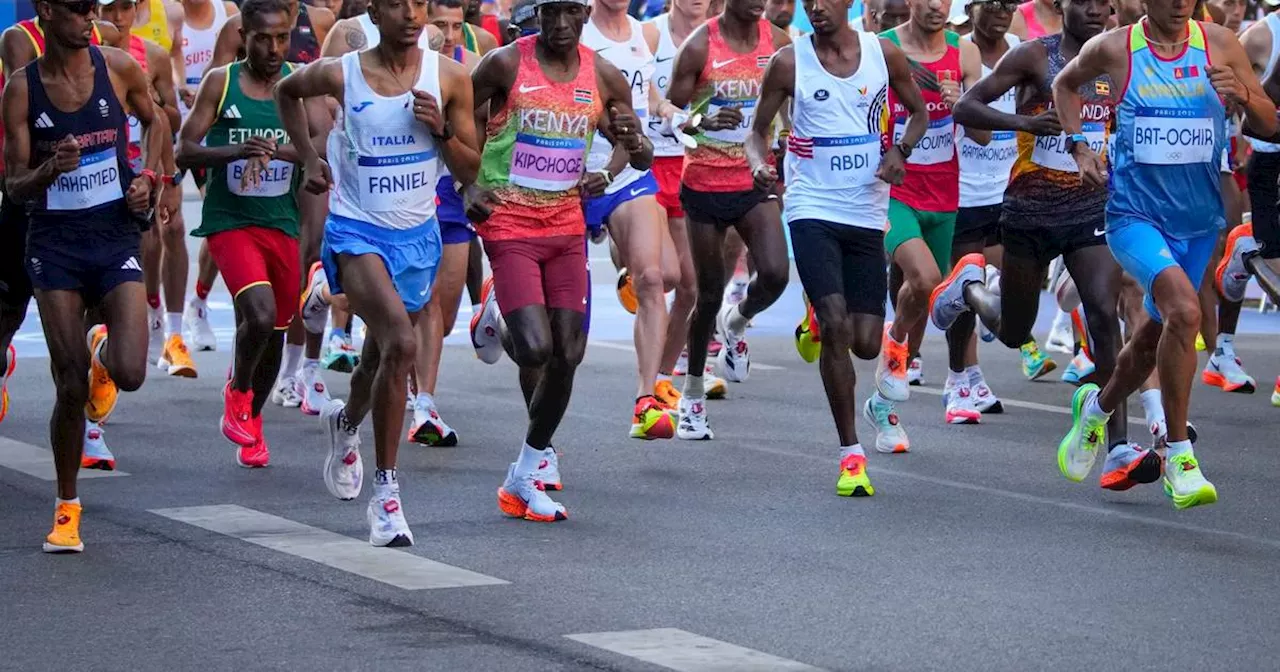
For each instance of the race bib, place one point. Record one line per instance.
(276, 180)
(546, 164)
(937, 146)
(1051, 150)
(394, 168)
(838, 162)
(995, 158)
(95, 182)
(1170, 136)
(738, 134)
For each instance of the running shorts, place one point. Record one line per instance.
(411, 256)
(978, 224)
(721, 208)
(550, 271)
(453, 233)
(841, 259)
(1263, 174)
(1044, 243)
(667, 170)
(936, 229)
(599, 209)
(93, 266)
(255, 256)
(15, 284)
(1144, 251)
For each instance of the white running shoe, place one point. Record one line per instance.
(343, 469)
(890, 436)
(155, 334)
(1060, 337)
(984, 400)
(486, 330)
(315, 310)
(428, 428)
(520, 497)
(285, 392)
(692, 425)
(548, 471)
(96, 455)
(195, 324)
(387, 526)
(311, 389)
(915, 371)
(734, 358)
(960, 407)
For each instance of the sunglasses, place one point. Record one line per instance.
(1000, 5)
(81, 7)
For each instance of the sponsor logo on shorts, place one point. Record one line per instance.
(131, 264)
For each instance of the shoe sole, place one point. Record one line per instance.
(1077, 410)
(1219, 381)
(1048, 366)
(181, 371)
(1205, 495)
(398, 541)
(98, 463)
(946, 283)
(514, 507)
(1146, 469)
(433, 439)
(964, 420)
(54, 548)
(1228, 252)
(857, 491)
(994, 409)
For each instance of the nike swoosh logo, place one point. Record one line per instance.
(637, 192)
(721, 64)
(664, 60)
(529, 89)
(1099, 232)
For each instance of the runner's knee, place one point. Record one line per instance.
(648, 282)
(398, 350)
(1182, 314)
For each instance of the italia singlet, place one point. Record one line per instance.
(373, 38)
(932, 183)
(1170, 135)
(537, 147)
(728, 79)
(228, 205)
(450, 207)
(138, 50)
(384, 161)
(1045, 190)
(833, 178)
(156, 29)
(662, 61)
(984, 170)
(197, 49)
(632, 57)
(86, 204)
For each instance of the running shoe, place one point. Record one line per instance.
(103, 393)
(959, 401)
(387, 526)
(891, 370)
(1185, 484)
(651, 420)
(548, 471)
(4, 384)
(285, 392)
(176, 361)
(1060, 334)
(734, 358)
(853, 481)
(257, 455)
(428, 428)
(890, 436)
(1128, 465)
(310, 387)
(1079, 448)
(339, 355)
(692, 425)
(1200, 344)
(96, 455)
(155, 335)
(313, 307)
(735, 291)
(65, 537)
(486, 337)
(1232, 276)
(947, 303)
(237, 416)
(808, 338)
(992, 282)
(195, 325)
(713, 385)
(915, 372)
(343, 469)
(521, 497)
(627, 291)
(1081, 367)
(1035, 364)
(682, 364)
(984, 400)
(1224, 371)
(1275, 393)
(667, 393)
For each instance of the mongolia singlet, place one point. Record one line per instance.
(537, 148)
(373, 38)
(197, 49)
(90, 199)
(932, 183)
(384, 161)
(636, 63)
(449, 206)
(156, 29)
(227, 205)
(1272, 22)
(662, 61)
(1045, 190)
(829, 177)
(984, 171)
(728, 79)
(138, 50)
(1170, 135)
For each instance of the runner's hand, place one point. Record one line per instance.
(66, 157)
(592, 184)
(626, 130)
(1093, 172)
(1045, 123)
(892, 168)
(724, 119)
(138, 198)
(1228, 86)
(251, 178)
(258, 145)
(188, 96)
(316, 177)
(479, 203)
(427, 110)
(949, 89)
(170, 201)
(764, 177)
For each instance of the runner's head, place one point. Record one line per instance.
(611, 6)
(930, 16)
(1082, 19)
(119, 13)
(352, 8)
(448, 17)
(714, 8)
(399, 22)
(560, 24)
(991, 18)
(746, 11)
(1128, 12)
(780, 12)
(472, 12)
(67, 23)
(694, 10)
(1232, 12)
(891, 14)
(524, 20)
(827, 16)
(265, 29)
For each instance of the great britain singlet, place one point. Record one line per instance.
(1045, 190)
(832, 177)
(1170, 135)
(728, 79)
(385, 163)
(932, 183)
(984, 169)
(633, 59)
(537, 148)
(197, 49)
(663, 60)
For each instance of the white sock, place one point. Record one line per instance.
(475, 308)
(1178, 448)
(1091, 408)
(1226, 343)
(68, 501)
(173, 322)
(662, 377)
(1152, 406)
(292, 355)
(736, 321)
(423, 399)
(855, 449)
(310, 366)
(385, 483)
(693, 387)
(957, 378)
(878, 399)
(529, 460)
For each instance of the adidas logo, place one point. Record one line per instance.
(131, 264)
(43, 121)
(232, 112)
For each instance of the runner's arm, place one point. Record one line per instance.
(176, 15)
(971, 71)
(322, 20)
(229, 42)
(461, 151)
(1256, 40)
(16, 50)
(166, 96)
(691, 57)
(905, 88)
(319, 123)
(491, 80)
(974, 110)
(139, 103)
(1259, 109)
(616, 94)
(21, 182)
(318, 78)
(778, 85)
(192, 154)
(346, 36)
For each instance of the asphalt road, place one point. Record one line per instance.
(735, 554)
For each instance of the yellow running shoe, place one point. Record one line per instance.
(103, 393)
(176, 360)
(1200, 346)
(65, 537)
(627, 292)
(853, 477)
(713, 385)
(808, 340)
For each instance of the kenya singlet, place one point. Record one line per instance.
(636, 63)
(932, 183)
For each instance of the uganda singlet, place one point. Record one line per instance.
(932, 183)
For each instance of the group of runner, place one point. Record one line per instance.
(344, 173)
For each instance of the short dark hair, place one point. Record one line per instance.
(449, 4)
(252, 10)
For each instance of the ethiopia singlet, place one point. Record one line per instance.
(663, 145)
(449, 206)
(932, 183)
(537, 148)
(138, 50)
(728, 79)
(1045, 190)
(271, 204)
(88, 201)
(829, 173)
(984, 170)
(1170, 135)
(385, 163)
(633, 59)
(197, 49)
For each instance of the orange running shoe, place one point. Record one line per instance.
(65, 537)
(103, 393)
(176, 360)
(891, 371)
(627, 292)
(667, 394)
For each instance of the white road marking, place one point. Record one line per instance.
(1035, 406)
(387, 565)
(628, 348)
(36, 461)
(683, 651)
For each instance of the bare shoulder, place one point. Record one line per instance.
(120, 61)
(175, 12)
(1220, 36)
(470, 60)
(781, 38)
(231, 7)
(321, 17)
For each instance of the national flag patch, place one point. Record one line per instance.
(762, 61)
(1186, 72)
(1102, 88)
(584, 96)
(801, 147)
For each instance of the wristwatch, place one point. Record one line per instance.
(904, 149)
(150, 175)
(171, 180)
(446, 135)
(1076, 139)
